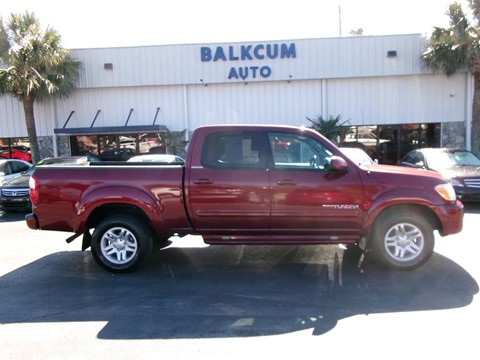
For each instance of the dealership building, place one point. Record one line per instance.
(129, 96)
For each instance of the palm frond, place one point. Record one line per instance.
(34, 66)
(331, 128)
(454, 48)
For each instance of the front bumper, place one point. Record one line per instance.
(451, 218)
(10, 204)
(466, 194)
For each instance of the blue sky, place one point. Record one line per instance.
(106, 23)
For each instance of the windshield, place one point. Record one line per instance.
(446, 160)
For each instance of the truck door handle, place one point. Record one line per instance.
(286, 182)
(203, 181)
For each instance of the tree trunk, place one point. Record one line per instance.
(31, 127)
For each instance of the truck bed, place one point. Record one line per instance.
(65, 191)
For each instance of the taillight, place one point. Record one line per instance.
(32, 183)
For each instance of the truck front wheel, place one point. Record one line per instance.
(121, 243)
(402, 241)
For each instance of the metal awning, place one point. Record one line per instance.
(104, 130)
(110, 130)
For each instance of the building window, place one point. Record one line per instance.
(389, 143)
(15, 148)
(118, 147)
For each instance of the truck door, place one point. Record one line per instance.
(228, 185)
(308, 198)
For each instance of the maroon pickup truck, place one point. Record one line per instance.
(247, 185)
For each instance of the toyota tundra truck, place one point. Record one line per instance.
(247, 184)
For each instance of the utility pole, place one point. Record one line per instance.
(339, 20)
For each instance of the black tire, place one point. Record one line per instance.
(402, 241)
(121, 243)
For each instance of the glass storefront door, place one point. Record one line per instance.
(389, 143)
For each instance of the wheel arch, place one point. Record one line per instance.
(101, 202)
(111, 209)
(421, 202)
(104, 202)
(405, 208)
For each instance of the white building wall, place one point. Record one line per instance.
(279, 102)
(362, 101)
(398, 100)
(346, 57)
(115, 105)
(352, 77)
(12, 119)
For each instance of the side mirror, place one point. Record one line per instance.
(338, 164)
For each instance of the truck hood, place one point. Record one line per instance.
(401, 171)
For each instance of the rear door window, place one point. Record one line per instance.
(234, 150)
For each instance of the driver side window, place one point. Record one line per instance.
(291, 151)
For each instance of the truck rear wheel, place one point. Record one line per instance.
(121, 243)
(402, 241)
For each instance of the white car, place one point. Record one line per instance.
(366, 139)
(158, 158)
(10, 168)
(358, 155)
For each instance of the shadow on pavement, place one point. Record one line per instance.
(472, 208)
(14, 216)
(229, 291)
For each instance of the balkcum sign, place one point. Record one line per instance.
(254, 53)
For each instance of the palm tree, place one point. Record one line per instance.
(34, 67)
(458, 47)
(332, 128)
(175, 142)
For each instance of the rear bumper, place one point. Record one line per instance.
(452, 219)
(32, 221)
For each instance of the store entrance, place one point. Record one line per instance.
(389, 143)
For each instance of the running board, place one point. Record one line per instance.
(279, 239)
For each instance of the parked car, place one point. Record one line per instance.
(16, 147)
(12, 167)
(122, 154)
(462, 167)
(15, 154)
(389, 152)
(14, 192)
(358, 155)
(367, 139)
(158, 158)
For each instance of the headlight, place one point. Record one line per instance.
(446, 191)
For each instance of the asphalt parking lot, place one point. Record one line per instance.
(232, 302)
